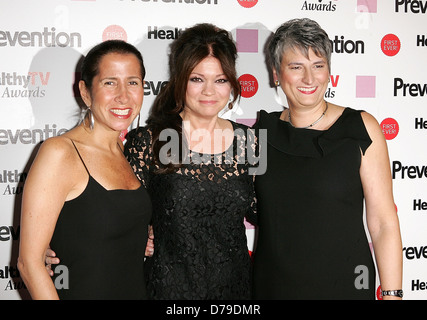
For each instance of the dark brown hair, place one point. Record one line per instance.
(187, 51)
(90, 65)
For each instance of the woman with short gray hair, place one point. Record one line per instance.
(324, 162)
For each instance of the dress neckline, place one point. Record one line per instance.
(331, 127)
(227, 149)
(313, 143)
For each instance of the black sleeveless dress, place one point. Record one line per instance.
(200, 249)
(312, 242)
(100, 238)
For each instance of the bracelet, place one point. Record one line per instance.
(396, 293)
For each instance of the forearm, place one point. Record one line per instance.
(388, 254)
(37, 280)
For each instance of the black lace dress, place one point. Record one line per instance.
(200, 240)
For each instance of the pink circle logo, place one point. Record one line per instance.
(249, 85)
(390, 128)
(114, 32)
(247, 3)
(390, 45)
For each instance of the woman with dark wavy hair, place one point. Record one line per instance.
(194, 165)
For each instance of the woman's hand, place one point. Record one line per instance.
(50, 258)
(149, 249)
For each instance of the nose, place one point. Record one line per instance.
(122, 96)
(308, 76)
(208, 88)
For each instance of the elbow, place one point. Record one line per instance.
(22, 268)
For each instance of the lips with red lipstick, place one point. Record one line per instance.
(307, 90)
(121, 113)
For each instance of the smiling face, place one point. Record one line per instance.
(208, 89)
(303, 80)
(117, 91)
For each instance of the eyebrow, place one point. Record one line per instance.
(301, 63)
(202, 75)
(115, 78)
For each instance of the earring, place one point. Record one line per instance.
(277, 83)
(91, 119)
(230, 105)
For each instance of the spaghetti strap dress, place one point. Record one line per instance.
(100, 238)
(312, 242)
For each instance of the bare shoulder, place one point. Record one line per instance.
(56, 148)
(372, 125)
(368, 118)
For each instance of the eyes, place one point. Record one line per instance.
(317, 66)
(114, 83)
(196, 79)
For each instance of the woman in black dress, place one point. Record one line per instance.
(323, 161)
(81, 196)
(198, 179)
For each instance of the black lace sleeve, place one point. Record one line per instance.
(138, 152)
(251, 152)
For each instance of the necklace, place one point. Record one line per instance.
(310, 125)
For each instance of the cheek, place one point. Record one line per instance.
(287, 80)
(224, 92)
(325, 78)
(191, 92)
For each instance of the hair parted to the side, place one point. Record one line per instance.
(302, 34)
(192, 46)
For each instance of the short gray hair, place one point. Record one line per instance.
(301, 34)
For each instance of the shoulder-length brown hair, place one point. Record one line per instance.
(187, 51)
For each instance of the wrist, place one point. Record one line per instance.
(392, 293)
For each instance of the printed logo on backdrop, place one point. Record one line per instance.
(114, 32)
(214, 2)
(417, 253)
(421, 40)
(46, 38)
(365, 86)
(330, 93)
(12, 277)
(403, 171)
(390, 45)
(9, 233)
(247, 40)
(14, 181)
(156, 33)
(14, 85)
(367, 6)
(249, 85)
(411, 89)
(343, 45)
(247, 3)
(390, 128)
(27, 136)
(319, 5)
(410, 6)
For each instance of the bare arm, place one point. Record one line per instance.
(45, 191)
(382, 219)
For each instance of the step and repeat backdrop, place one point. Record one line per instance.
(378, 65)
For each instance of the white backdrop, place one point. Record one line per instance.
(378, 65)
